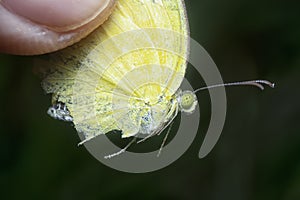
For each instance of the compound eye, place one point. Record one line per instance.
(188, 101)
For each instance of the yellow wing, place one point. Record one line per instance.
(109, 80)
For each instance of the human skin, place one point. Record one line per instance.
(35, 27)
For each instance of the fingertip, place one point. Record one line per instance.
(22, 36)
(60, 15)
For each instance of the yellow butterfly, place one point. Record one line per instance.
(118, 78)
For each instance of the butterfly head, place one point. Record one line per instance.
(187, 101)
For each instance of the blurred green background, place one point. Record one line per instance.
(257, 156)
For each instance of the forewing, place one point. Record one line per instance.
(130, 58)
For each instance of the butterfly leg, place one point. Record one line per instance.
(163, 126)
(122, 150)
(165, 139)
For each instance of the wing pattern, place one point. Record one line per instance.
(126, 71)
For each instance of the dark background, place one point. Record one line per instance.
(257, 156)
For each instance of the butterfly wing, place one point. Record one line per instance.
(105, 79)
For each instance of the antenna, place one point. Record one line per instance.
(257, 83)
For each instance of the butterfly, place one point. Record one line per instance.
(119, 79)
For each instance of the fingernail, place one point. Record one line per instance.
(60, 15)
